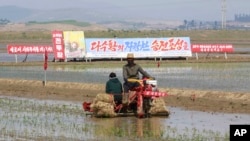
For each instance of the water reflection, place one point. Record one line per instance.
(227, 76)
(5, 57)
(128, 127)
(150, 127)
(31, 118)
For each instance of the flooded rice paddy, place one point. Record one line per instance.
(31, 119)
(233, 77)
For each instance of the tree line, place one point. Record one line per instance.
(4, 21)
(242, 17)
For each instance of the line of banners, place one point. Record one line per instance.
(73, 44)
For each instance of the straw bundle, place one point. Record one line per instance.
(158, 106)
(103, 106)
(104, 97)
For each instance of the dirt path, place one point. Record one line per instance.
(209, 101)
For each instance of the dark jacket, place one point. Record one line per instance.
(114, 86)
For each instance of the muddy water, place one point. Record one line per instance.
(30, 118)
(233, 77)
(64, 119)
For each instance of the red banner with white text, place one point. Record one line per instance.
(58, 44)
(198, 48)
(26, 49)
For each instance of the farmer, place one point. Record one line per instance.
(132, 70)
(114, 87)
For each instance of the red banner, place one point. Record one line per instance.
(156, 94)
(58, 44)
(25, 49)
(212, 48)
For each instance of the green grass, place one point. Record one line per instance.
(70, 22)
(236, 37)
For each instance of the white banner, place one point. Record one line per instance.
(141, 47)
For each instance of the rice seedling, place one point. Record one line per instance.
(59, 120)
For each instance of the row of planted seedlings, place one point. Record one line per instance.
(54, 120)
(151, 131)
(30, 118)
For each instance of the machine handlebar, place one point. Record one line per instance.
(141, 81)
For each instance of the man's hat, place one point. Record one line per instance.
(130, 56)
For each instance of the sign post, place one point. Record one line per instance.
(16, 58)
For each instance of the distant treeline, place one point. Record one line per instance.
(4, 21)
(242, 17)
(71, 22)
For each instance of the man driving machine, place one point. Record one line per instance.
(131, 71)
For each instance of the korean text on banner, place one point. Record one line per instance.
(57, 37)
(141, 47)
(212, 48)
(26, 49)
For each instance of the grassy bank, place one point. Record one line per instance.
(238, 38)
